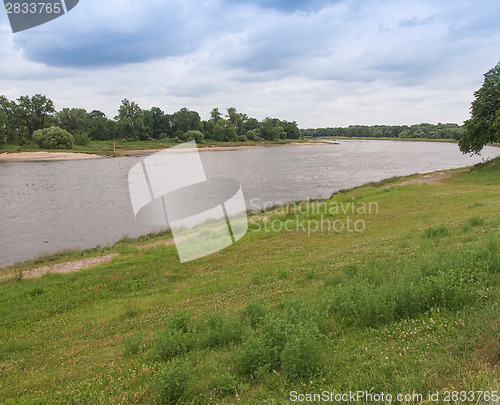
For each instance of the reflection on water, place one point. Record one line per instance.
(49, 206)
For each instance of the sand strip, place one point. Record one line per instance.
(44, 156)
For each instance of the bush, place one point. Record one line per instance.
(301, 356)
(172, 343)
(82, 138)
(242, 138)
(53, 138)
(132, 345)
(197, 136)
(437, 232)
(175, 384)
(254, 313)
(254, 357)
(222, 331)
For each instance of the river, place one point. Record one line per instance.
(49, 206)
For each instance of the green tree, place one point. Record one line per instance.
(35, 112)
(156, 122)
(100, 127)
(238, 120)
(130, 121)
(291, 129)
(192, 134)
(272, 129)
(484, 125)
(4, 125)
(185, 120)
(73, 120)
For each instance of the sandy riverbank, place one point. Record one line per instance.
(44, 156)
(203, 148)
(51, 156)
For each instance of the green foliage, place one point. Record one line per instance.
(272, 129)
(132, 345)
(53, 138)
(175, 384)
(197, 136)
(73, 120)
(484, 125)
(417, 131)
(301, 356)
(254, 358)
(436, 232)
(221, 331)
(172, 343)
(254, 313)
(33, 113)
(130, 121)
(81, 138)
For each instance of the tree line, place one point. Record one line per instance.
(36, 119)
(419, 131)
(21, 118)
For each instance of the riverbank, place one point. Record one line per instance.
(388, 139)
(130, 149)
(45, 156)
(408, 303)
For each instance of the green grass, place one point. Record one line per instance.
(409, 305)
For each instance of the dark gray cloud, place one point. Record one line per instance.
(283, 58)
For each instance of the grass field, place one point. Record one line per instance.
(408, 303)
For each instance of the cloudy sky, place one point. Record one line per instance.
(318, 62)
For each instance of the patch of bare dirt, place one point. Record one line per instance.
(433, 178)
(69, 267)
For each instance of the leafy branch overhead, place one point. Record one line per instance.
(484, 125)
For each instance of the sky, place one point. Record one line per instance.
(319, 62)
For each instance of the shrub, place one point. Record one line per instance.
(254, 357)
(180, 321)
(476, 221)
(172, 343)
(132, 345)
(301, 356)
(53, 138)
(437, 232)
(175, 384)
(253, 313)
(196, 135)
(242, 138)
(222, 331)
(82, 138)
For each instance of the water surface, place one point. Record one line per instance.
(50, 206)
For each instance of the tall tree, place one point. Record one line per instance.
(272, 129)
(73, 120)
(130, 121)
(4, 126)
(35, 112)
(157, 122)
(185, 120)
(484, 125)
(100, 127)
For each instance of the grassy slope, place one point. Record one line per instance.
(409, 305)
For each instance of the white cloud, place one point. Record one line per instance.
(338, 63)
